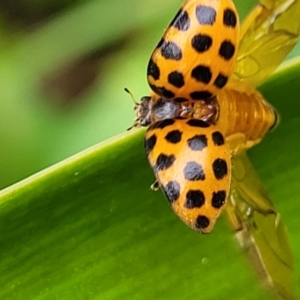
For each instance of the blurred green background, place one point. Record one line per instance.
(63, 67)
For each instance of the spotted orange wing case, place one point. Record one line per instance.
(197, 54)
(192, 164)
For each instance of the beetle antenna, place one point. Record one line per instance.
(131, 95)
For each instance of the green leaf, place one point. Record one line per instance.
(90, 227)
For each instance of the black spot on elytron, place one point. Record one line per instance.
(201, 222)
(164, 109)
(176, 78)
(180, 99)
(218, 138)
(220, 81)
(218, 199)
(150, 143)
(202, 73)
(200, 95)
(197, 142)
(229, 18)
(205, 15)
(174, 136)
(170, 50)
(161, 124)
(160, 43)
(220, 168)
(197, 123)
(226, 50)
(193, 171)
(181, 21)
(172, 190)
(194, 198)
(201, 42)
(211, 100)
(164, 162)
(161, 91)
(153, 70)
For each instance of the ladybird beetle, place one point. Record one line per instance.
(197, 53)
(268, 34)
(244, 113)
(192, 165)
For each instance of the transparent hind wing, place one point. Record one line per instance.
(260, 230)
(268, 34)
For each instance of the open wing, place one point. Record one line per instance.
(268, 34)
(259, 230)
